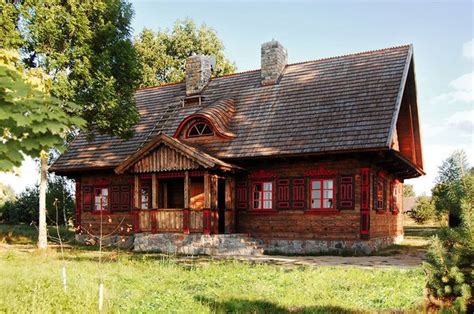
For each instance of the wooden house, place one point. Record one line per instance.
(302, 157)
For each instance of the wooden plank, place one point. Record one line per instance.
(207, 190)
(187, 188)
(136, 192)
(154, 191)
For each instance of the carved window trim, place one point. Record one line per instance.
(200, 129)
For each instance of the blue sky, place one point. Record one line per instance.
(441, 32)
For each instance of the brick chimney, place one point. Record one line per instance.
(274, 60)
(198, 73)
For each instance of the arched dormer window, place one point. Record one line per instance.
(200, 129)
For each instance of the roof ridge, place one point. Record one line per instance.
(290, 64)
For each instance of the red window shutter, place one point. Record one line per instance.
(364, 188)
(346, 192)
(125, 197)
(283, 197)
(298, 193)
(87, 198)
(115, 198)
(241, 195)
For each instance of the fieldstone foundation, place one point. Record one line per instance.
(328, 246)
(197, 244)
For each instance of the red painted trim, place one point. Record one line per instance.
(196, 173)
(262, 200)
(165, 175)
(210, 126)
(322, 212)
(186, 217)
(78, 205)
(197, 116)
(136, 225)
(322, 194)
(215, 222)
(256, 212)
(97, 183)
(320, 172)
(262, 174)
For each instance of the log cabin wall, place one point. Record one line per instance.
(301, 222)
(120, 221)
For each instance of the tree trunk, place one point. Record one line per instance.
(42, 232)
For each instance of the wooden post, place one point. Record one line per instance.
(187, 193)
(154, 191)
(136, 192)
(78, 205)
(206, 222)
(230, 203)
(214, 202)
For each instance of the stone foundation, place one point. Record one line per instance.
(328, 246)
(196, 244)
(236, 244)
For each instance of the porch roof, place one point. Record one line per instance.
(164, 153)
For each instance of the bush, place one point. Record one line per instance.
(423, 211)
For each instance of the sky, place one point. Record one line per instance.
(441, 33)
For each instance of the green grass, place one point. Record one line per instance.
(30, 282)
(26, 234)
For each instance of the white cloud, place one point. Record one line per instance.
(468, 49)
(462, 121)
(462, 90)
(26, 175)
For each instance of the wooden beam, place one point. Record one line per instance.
(136, 192)
(187, 191)
(165, 195)
(207, 190)
(154, 191)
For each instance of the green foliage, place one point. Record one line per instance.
(449, 189)
(152, 283)
(163, 54)
(24, 209)
(423, 210)
(408, 190)
(86, 47)
(31, 121)
(9, 21)
(449, 261)
(6, 194)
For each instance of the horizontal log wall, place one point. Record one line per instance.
(298, 226)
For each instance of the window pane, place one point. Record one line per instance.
(257, 187)
(267, 186)
(328, 184)
(316, 184)
(316, 203)
(316, 194)
(327, 193)
(267, 204)
(97, 202)
(268, 195)
(328, 203)
(256, 204)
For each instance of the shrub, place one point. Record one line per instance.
(423, 210)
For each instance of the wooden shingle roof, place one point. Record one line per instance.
(346, 103)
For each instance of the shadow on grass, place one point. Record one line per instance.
(261, 306)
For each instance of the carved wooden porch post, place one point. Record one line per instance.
(136, 202)
(207, 204)
(230, 204)
(154, 191)
(187, 193)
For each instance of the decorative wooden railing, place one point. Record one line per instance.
(171, 220)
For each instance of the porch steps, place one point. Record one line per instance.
(197, 244)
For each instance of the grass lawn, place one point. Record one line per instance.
(31, 282)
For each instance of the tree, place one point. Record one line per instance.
(448, 266)
(85, 48)
(423, 210)
(163, 54)
(408, 190)
(449, 189)
(31, 121)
